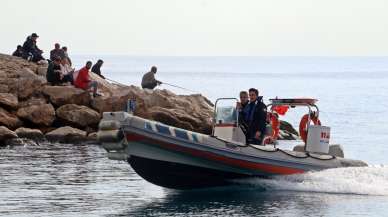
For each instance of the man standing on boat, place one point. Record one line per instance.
(149, 81)
(255, 116)
(244, 100)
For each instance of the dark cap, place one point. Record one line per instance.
(34, 35)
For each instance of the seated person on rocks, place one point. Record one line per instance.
(97, 68)
(83, 81)
(66, 71)
(57, 52)
(18, 52)
(255, 116)
(30, 49)
(54, 75)
(148, 81)
(67, 56)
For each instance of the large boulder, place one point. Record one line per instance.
(25, 83)
(29, 133)
(62, 95)
(39, 100)
(193, 112)
(6, 134)
(8, 100)
(42, 115)
(78, 115)
(66, 135)
(9, 120)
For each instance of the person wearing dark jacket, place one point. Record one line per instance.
(18, 52)
(255, 116)
(240, 109)
(148, 81)
(31, 50)
(57, 52)
(53, 75)
(97, 68)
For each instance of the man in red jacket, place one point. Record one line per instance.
(83, 81)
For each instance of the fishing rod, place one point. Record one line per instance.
(173, 85)
(116, 82)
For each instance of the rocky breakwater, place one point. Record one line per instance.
(32, 110)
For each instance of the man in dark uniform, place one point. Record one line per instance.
(97, 68)
(31, 50)
(18, 52)
(53, 75)
(255, 116)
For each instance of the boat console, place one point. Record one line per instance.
(226, 124)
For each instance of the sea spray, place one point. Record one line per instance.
(372, 180)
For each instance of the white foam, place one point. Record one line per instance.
(371, 180)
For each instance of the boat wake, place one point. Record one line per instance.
(372, 180)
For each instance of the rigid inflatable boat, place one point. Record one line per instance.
(176, 158)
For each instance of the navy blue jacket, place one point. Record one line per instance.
(256, 120)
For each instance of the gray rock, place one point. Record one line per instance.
(28, 133)
(6, 134)
(62, 95)
(33, 101)
(26, 73)
(41, 71)
(9, 120)
(42, 115)
(9, 100)
(336, 150)
(26, 87)
(67, 135)
(78, 115)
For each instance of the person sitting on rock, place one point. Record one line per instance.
(54, 75)
(57, 52)
(67, 56)
(148, 81)
(66, 71)
(83, 81)
(97, 68)
(30, 49)
(18, 52)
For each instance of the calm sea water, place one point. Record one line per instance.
(77, 180)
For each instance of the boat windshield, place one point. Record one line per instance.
(226, 115)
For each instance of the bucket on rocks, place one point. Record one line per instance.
(318, 138)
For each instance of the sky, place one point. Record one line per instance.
(200, 27)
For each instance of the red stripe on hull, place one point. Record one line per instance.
(219, 158)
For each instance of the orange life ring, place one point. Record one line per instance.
(274, 120)
(303, 125)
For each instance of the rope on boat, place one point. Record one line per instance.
(307, 155)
